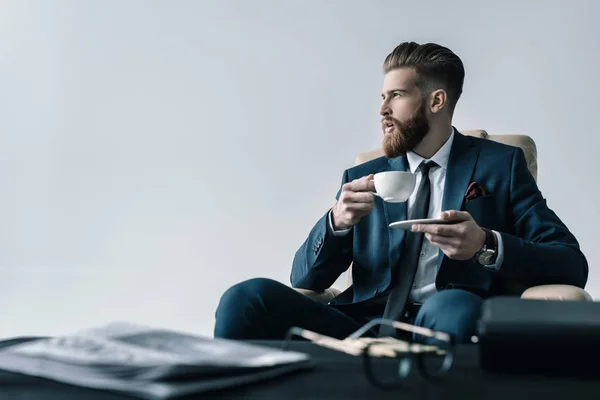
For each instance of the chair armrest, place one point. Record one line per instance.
(556, 292)
(321, 297)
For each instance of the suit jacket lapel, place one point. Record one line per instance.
(395, 212)
(463, 157)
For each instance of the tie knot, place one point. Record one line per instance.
(426, 166)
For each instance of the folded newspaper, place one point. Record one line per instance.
(148, 363)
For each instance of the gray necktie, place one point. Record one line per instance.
(404, 273)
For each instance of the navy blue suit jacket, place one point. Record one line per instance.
(538, 248)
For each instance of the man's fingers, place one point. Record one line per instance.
(444, 247)
(359, 206)
(438, 229)
(437, 240)
(360, 197)
(361, 184)
(457, 216)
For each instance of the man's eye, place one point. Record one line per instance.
(397, 94)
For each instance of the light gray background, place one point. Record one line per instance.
(153, 153)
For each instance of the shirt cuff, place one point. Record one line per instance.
(343, 232)
(500, 255)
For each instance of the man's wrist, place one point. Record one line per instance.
(333, 230)
(483, 240)
(489, 251)
(333, 222)
(489, 240)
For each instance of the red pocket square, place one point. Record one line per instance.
(474, 191)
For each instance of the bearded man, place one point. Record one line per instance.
(496, 228)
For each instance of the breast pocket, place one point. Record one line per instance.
(485, 211)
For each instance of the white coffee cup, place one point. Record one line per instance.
(394, 186)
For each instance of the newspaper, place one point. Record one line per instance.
(147, 362)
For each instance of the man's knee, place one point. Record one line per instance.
(245, 294)
(244, 309)
(453, 311)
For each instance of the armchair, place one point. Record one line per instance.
(547, 292)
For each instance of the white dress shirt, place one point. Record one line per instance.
(424, 283)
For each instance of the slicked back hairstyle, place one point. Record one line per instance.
(436, 67)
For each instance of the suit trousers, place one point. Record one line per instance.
(264, 309)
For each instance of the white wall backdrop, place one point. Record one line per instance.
(153, 153)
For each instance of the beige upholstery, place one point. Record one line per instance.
(321, 297)
(543, 292)
(522, 141)
(548, 292)
(556, 292)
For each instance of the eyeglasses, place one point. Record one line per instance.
(432, 360)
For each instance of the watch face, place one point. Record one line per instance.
(487, 257)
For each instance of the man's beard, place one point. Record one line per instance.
(406, 135)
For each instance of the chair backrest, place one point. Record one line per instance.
(523, 141)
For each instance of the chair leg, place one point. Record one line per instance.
(556, 292)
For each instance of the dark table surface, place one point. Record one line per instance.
(340, 376)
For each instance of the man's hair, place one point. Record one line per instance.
(437, 67)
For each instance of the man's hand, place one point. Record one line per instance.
(459, 240)
(354, 203)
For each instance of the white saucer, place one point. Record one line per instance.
(408, 223)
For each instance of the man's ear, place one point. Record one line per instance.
(438, 99)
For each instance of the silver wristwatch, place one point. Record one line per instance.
(488, 253)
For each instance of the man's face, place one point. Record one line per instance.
(404, 117)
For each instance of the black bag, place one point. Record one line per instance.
(540, 336)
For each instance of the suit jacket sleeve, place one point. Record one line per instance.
(323, 257)
(542, 249)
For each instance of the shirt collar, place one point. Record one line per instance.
(440, 157)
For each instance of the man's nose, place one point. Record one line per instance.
(384, 110)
